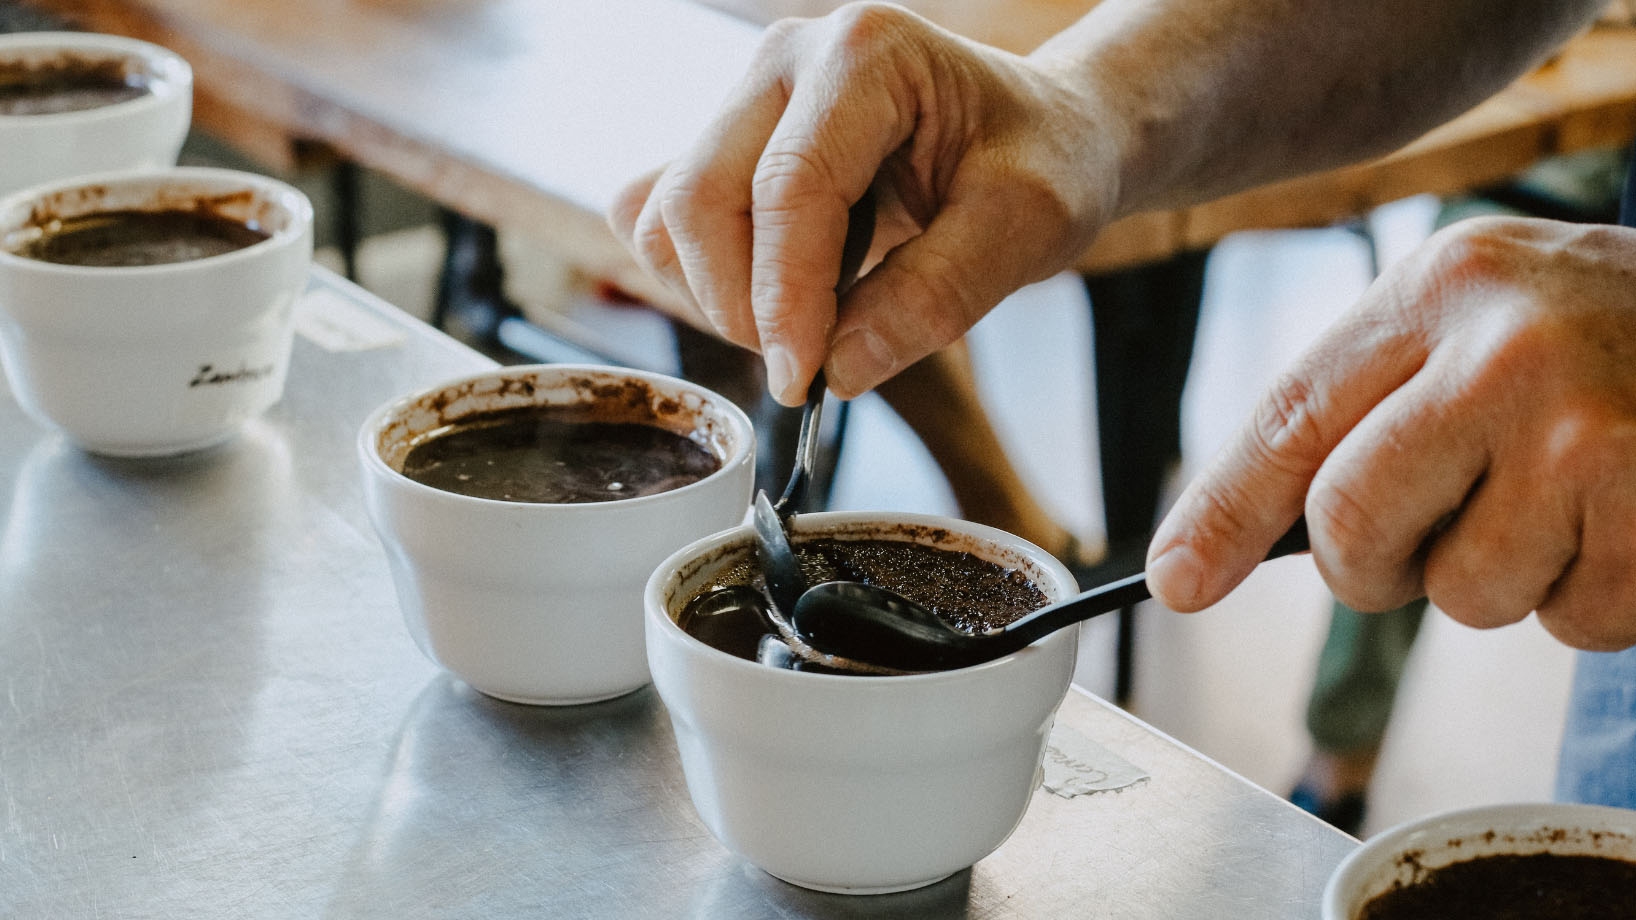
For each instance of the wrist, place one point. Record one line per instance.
(1114, 137)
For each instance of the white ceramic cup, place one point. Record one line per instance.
(154, 359)
(534, 602)
(1397, 856)
(141, 133)
(850, 783)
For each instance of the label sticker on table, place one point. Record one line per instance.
(1075, 765)
(335, 323)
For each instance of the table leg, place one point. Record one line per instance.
(1144, 320)
(344, 183)
(471, 301)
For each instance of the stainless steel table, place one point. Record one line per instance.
(209, 707)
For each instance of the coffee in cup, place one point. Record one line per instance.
(859, 783)
(557, 454)
(968, 592)
(1526, 860)
(74, 103)
(134, 237)
(1524, 886)
(522, 510)
(68, 82)
(150, 312)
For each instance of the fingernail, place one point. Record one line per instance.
(780, 370)
(1178, 575)
(859, 360)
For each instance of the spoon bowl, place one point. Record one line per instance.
(774, 552)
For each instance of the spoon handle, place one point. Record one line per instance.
(860, 231)
(806, 450)
(1117, 595)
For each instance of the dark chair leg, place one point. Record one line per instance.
(1144, 321)
(344, 184)
(1627, 198)
(471, 299)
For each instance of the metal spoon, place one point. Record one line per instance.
(773, 550)
(871, 624)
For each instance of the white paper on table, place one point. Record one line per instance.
(334, 323)
(1075, 765)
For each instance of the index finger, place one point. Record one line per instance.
(819, 161)
(1250, 494)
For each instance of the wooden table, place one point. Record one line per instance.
(523, 114)
(531, 115)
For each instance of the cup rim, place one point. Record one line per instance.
(1345, 881)
(659, 617)
(173, 74)
(287, 196)
(739, 422)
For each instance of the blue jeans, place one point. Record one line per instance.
(1598, 760)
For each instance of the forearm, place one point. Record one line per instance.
(1211, 96)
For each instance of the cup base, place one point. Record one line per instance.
(557, 700)
(864, 890)
(137, 451)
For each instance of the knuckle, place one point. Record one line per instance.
(1284, 428)
(688, 194)
(778, 40)
(945, 288)
(1591, 628)
(1346, 526)
(788, 187)
(651, 241)
(1466, 590)
(1225, 517)
(778, 326)
(729, 324)
(788, 175)
(864, 31)
(1467, 608)
(851, 39)
(934, 298)
(1221, 512)
(863, 23)
(1462, 573)
(1479, 250)
(770, 289)
(1588, 446)
(1593, 606)
(769, 283)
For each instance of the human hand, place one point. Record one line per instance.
(988, 168)
(1467, 432)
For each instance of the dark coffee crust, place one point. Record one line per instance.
(126, 238)
(67, 82)
(965, 590)
(1533, 886)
